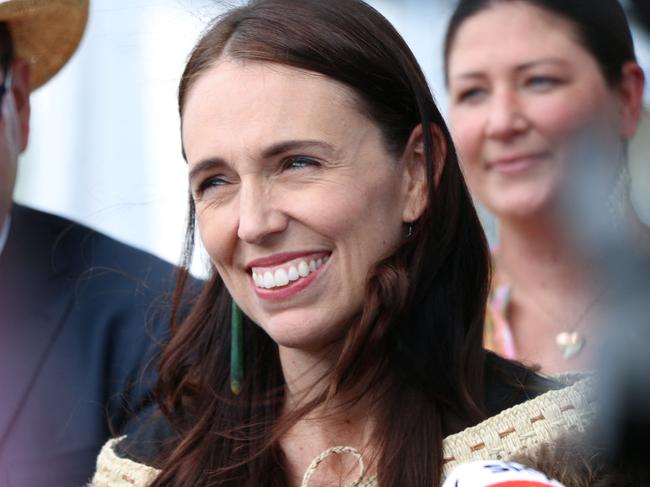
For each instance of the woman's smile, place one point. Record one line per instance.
(516, 164)
(296, 201)
(284, 275)
(518, 109)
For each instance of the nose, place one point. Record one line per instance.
(506, 118)
(259, 216)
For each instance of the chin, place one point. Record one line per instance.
(523, 205)
(307, 334)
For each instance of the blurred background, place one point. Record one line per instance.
(105, 145)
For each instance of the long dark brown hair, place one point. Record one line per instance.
(417, 341)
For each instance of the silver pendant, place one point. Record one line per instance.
(570, 343)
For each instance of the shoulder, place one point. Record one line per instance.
(115, 471)
(130, 459)
(508, 383)
(74, 248)
(541, 419)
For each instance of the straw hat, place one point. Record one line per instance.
(44, 32)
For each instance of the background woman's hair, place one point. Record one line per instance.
(416, 347)
(601, 26)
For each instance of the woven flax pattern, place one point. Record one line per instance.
(114, 471)
(513, 431)
(525, 426)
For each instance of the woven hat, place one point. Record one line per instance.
(44, 32)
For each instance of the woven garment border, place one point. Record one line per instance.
(514, 431)
(525, 426)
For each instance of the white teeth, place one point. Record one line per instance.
(269, 282)
(281, 278)
(303, 269)
(293, 274)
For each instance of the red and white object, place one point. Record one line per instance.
(496, 473)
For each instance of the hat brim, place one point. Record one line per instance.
(45, 33)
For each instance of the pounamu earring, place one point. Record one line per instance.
(236, 348)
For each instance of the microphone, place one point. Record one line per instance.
(496, 473)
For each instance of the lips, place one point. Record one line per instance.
(283, 275)
(279, 276)
(509, 164)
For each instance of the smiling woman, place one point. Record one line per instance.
(261, 211)
(544, 96)
(328, 195)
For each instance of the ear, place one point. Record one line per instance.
(415, 187)
(21, 88)
(631, 97)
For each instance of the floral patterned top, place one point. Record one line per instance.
(497, 335)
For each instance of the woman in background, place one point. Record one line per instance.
(328, 195)
(544, 96)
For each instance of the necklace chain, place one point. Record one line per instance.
(570, 341)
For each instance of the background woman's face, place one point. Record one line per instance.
(296, 196)
(525, 96)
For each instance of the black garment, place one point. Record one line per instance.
(78, 312)
(507, 384)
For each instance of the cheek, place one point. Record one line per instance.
(217, 231)
(566, 118)
(466, 130)
(467, 134)
(376, 224)
(362, 219)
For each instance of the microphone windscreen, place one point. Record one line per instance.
(495, 473)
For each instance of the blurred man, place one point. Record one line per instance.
(77, 308)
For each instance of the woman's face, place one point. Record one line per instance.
(296, 196)
(525, 96)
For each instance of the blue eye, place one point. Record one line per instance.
(209, 183)
(471, 95)
(542, 83)
(299, 163)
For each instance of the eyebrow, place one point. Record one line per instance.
(536, 62)
(290, 145)
(204, 165)
(519, 68)
(271, 151)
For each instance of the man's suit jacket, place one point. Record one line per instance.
(78, 311)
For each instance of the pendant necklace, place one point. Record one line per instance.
(571, 342)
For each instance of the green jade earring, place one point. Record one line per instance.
(236, 348)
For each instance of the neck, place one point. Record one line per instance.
(540, 254)
(304, 373)
(334, 423)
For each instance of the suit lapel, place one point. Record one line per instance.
(33, 302)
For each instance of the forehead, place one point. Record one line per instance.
(259, 103)
(509, 33)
